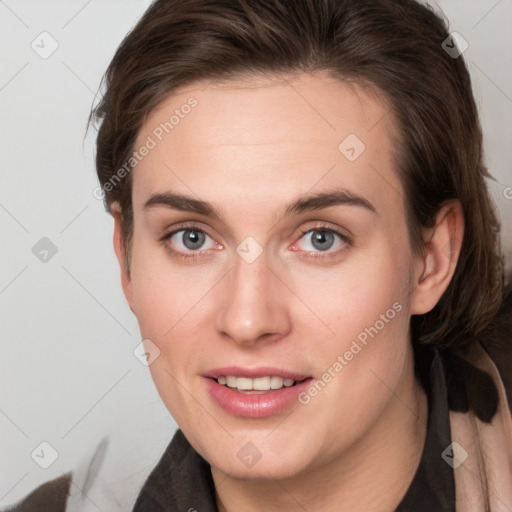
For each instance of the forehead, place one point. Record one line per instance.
(290, 134)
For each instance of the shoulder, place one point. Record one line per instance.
(70, 491)
(50, 496)
(483, 445)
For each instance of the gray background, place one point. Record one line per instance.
(68, 375)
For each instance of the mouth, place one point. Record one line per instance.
(255, 393)
(257, 385)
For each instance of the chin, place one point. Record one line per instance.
(263, 471)
(251, 463)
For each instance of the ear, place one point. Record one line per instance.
(434, 269)
(126, 280)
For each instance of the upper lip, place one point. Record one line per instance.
(253, 373)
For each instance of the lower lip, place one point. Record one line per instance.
(255, 405)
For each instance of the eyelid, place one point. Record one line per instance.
(325, 226)
(186, 225)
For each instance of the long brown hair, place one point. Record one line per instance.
(398, 46)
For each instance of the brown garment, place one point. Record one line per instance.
(48, 497)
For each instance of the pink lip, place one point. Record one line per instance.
(252, 373)
(260, 405)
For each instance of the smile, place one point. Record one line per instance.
(246, 384)
(255, 393)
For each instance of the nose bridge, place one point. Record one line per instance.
(253, 304)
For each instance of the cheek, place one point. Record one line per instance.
(164, 292)
(346, 299)
(360, 333)
(170, 300)
(359, 367)
(168, 303)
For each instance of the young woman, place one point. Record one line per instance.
(306, 239)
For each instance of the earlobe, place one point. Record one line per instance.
(435, 268)
(118, 240)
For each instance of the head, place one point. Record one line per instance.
(336, 199)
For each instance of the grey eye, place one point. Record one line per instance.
(322, 240)
(190, 239)
(193, 239)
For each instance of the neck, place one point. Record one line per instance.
(372, 475)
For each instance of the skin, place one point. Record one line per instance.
(251, 147)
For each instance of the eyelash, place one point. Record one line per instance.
(193, 255)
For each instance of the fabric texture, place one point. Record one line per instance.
(483, 479)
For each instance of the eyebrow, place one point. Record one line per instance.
(310, 202)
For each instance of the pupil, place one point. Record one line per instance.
(193, 240)
(323, 240)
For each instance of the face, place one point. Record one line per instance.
(289, 260)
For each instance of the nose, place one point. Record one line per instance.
(253, 304)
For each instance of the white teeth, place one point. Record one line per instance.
(231, 382)
(257, 384)
(261, 383)
(276, 382)
(244, 383)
